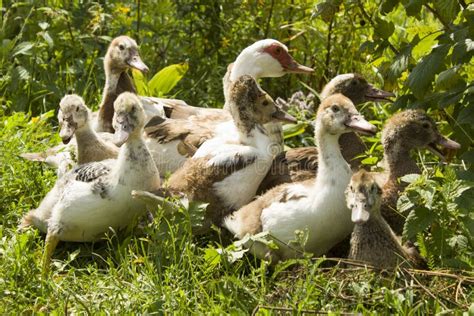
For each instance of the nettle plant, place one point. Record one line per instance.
(439, 216)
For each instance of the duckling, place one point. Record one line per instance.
(226, 172)
(315, 206)
(265, 58)
(93, 197)
(122, 54)
(373, 241)
(403, 132)
(74, 119)
(298, 164)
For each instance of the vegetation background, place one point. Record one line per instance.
(420, 49)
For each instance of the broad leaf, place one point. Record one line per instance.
(291, 130)
(423, 74)
(448, 79)
(412, 7)
(328, 9)
(383, 28)
(417, 221)
(447, 9)
(463, 51)
(167, 78)
(388, 6)
(140, 82)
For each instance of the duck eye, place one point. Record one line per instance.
(265, 103)
(77, 109)
(426, 125)
(278, 50)
(335, 108)
(121, 47)
(353, 82)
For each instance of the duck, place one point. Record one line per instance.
(263, 59)
(80, 143)
(315, 207)
(297, 164)
(404, 132)
(94, 197)
(223, 172)
(373, 241)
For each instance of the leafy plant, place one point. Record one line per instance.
(440, 215)
(162, 82)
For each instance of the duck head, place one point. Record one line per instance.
(356, 88)
(73, 114)
(363, 197)
(123, 54)
(129, 117)
(413, 129)
(338, 115)
(254, 104)
(265, 59)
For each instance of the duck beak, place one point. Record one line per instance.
(282, 116)
(67, 132)
(359, 124)
(446, 143)
(123, 130)
(291, 66)
(374, 94)
(359, 214)
(136, 62)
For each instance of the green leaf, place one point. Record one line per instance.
(410, 178)
(400, 64)
(417, 221)
(23, 49)
(423, 74)
(448, 79)
(463, 51)
(140, 82)
(388, 6)
(328, 9)
(383, 28)
(167, 78)
(412, 7)
(291, 130)
(447, 9)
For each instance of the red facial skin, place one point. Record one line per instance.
(286, 61)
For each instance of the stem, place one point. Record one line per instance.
(138, 20)
(436, 15)
(267, 27)
(327, 74)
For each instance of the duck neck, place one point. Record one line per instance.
(135, 161)
(330, 160)
(116, 81)
(399, 162)
(85, 136)
(244, 65)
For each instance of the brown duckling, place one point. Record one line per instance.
(226, 171)
(373, 241)
(403, 132)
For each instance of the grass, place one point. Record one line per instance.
(161, 268)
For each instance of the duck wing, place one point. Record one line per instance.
(91, 171)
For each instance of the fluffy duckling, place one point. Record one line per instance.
(74, 119)
(298, 164)
(403, 132)
(264, 58)
(226, 172)
(316, 207)
(93, 197)
(373, 241)
(122, 54)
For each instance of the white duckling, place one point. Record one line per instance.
(316, 207)
(264, 58)
(94, 197)
(226, 173)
